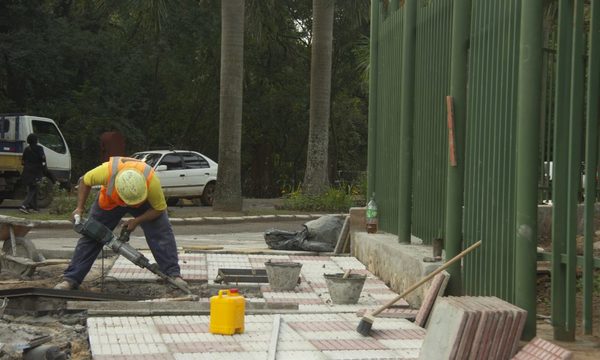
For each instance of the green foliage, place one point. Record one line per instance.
(151, 70)
(333, 200)
(595, 282)
(65, 201)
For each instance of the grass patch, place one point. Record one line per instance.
(65, 201)
(333, 200)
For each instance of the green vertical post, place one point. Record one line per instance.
(394, 5)
(407, 107)
(461, 22)
(591, 163)
(373, 83)
(560, 168)
(574, 158)
(528, 115)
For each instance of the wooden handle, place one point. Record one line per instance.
(427, 278)
(346, 274)
(451, 146)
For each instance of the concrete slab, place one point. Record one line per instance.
(466, 341)
(520, 316)
(398, 265)
(486, 323)
(435, 290)
(445, 331)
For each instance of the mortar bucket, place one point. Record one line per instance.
(344, 291)
(283, 276)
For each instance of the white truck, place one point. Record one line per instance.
(14, 129)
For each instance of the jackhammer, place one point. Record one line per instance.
(120, 245)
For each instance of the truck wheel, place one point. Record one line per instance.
(45, 193)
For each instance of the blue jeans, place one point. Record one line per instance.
(158, 232)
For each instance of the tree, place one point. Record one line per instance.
(228, 194)
(316, 180)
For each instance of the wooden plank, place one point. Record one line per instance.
(347, 242)
(339, 247)
(274, 337)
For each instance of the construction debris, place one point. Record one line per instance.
(320, 235)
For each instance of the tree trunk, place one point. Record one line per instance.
(315, 177)
(228, 192)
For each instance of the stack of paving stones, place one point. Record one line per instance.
(473, 328)
(301, 336)
(311, 295)
(540, 349)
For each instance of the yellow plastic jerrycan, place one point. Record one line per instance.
(227, 311)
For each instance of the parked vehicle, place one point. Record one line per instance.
(14, 129)
(183, 174)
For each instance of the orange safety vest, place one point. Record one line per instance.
(109, 196)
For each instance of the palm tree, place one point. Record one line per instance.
(228, 192)
(315, 177)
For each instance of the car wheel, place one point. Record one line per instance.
(208, 195)
(172, 201)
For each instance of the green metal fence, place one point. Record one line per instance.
(524, 88)
(490, 148)
(432, 84)
(388, 128)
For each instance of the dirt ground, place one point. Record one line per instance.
(67, 329)
(586, 347)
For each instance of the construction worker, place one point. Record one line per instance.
(127, 186)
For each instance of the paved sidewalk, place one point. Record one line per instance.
(311, 295)
(301, 336)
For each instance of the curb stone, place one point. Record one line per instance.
(63, 224)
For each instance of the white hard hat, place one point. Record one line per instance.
(131, 186)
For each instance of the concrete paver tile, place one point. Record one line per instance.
(430, 298)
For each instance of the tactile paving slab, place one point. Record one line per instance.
(540, 349)
(311, 294)
(301, 336)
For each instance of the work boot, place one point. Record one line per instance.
(65, 285)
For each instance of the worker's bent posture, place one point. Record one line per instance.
(127, 186)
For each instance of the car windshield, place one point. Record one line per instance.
(149, 158)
